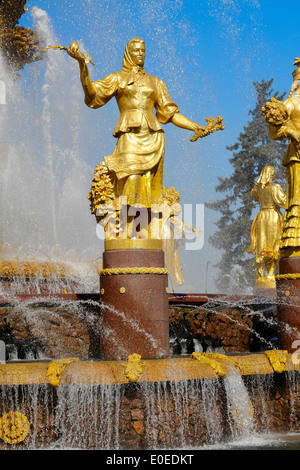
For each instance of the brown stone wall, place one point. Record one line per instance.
(69, 326)
(232, 325)
(64, 329)
(280, 409)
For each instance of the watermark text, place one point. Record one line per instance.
(165, 222)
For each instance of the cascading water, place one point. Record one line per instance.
(44, 214)
(88, 416)
(181, 414)
(240, 411)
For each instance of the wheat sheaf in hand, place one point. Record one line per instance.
(73, 51)
(275, 112)
(212, 126)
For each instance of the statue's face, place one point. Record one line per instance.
(137, 53)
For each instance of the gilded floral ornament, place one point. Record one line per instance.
(275, 112)
(213, 363)
(223, 357)
(56, 369)
(212, 360)
(133, 368)
(277, 359)
(14, 427)
(102, 201)
(102, 190)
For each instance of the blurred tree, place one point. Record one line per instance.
(253, 150)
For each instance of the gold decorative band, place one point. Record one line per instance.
(134, 270)
(282, 277)
(139, 243)
(32, 270)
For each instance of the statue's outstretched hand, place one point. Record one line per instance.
(290, 132)
(199, 132)
(212, 126)
(73, 51)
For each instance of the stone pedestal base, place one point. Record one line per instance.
(134, 304)
(265, 283)
(288, 296)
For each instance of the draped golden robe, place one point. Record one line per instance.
(136, 164)
(267, 225)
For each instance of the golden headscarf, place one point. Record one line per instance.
(129, 66)
(266, 176)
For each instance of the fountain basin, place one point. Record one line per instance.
(76, 372)
(149, 404)
(43, 277)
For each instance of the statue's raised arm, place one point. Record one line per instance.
(87, 84)
(75, 52)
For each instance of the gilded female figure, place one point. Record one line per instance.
(284, 123)
(136, 165)
(267, 226)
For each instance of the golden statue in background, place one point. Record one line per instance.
(284, 123)
(19, 46)
(133, 175)
(174, 231)
(266, 228)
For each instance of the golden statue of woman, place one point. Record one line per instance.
(284, 123)
(134, 171)
(267, 226)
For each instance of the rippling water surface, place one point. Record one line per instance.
(272, 441)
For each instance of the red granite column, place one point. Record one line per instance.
(134, 304)
(288, 296)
